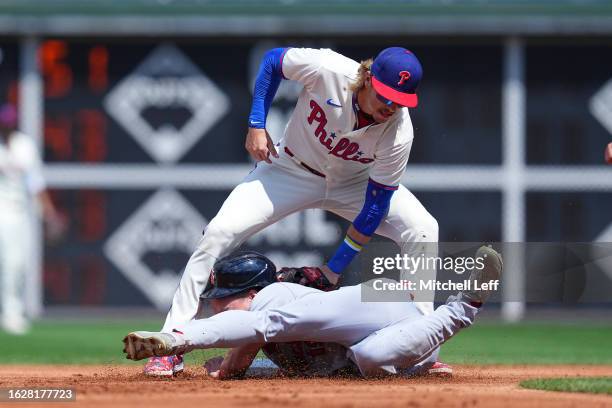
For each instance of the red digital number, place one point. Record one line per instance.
(91, 215)
(92, 140)
(56, 73)
(98, 68)
(90, 144)
(12, 92)
(57, 137)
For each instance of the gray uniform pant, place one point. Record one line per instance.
(382, 337)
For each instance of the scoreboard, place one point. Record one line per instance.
(103, 100)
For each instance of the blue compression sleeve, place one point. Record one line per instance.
(266, 84)
(375, 208)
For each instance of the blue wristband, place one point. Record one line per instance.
(344, 255)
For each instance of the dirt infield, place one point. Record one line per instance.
(121, 386)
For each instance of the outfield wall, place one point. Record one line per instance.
(143, 139)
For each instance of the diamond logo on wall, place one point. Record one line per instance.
(167, 104)
(145, 245)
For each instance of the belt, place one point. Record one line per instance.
(307, 167)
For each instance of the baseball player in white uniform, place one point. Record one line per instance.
(20, 180)
(344, 149)
(380, 338)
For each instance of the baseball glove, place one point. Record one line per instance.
(307, 276)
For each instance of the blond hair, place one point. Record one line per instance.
(364, 67)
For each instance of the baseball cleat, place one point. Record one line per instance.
(143, 344)
(491, 271)
(167, 366)
(439, 369)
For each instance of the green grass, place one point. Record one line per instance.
(59, 342)
(530, 343)
(592, 385)
(71, 342)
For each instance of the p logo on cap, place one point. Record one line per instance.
(404, 75)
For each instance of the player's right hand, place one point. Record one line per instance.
(212, 367)
(259, 144)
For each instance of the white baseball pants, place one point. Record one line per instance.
(15, 243)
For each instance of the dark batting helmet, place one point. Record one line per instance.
(238, 273)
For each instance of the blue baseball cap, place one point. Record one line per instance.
(396, 73)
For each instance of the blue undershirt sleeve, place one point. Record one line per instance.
(266, 84)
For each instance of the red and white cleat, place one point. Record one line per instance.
(164, 366)
(439, 369)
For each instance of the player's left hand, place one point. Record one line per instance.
(212, 367)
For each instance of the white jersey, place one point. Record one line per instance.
(20, 172)
(321, 131)
(303, 358)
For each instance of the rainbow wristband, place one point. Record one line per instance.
(344, 255)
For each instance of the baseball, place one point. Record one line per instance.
(608, 153)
